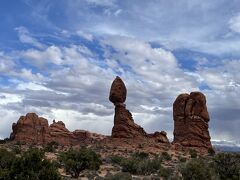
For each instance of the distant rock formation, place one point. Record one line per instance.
(191, 121)
(32, 129)
(124, 126)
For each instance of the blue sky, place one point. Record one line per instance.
(58, 59)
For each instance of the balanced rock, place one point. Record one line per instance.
(124, 126)
(118, 91)
(191, 121)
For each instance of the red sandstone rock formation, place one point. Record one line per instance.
(191, 121)
(59, 133)
(159, 137)
(124, 126)
(32, 129)
(118, 91)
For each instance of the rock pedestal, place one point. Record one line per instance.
(124, 126)
(191, 121)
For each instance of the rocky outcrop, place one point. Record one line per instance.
(124, 126)
(160, 137)
(32, 129)
(191, 121)
(118, 91)
(59, 133)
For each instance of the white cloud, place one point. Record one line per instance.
(90, 122)
(51, 54)
(102, 2)
(234, 23)
(25, 37)
(9, 98)
(76, 89)
(31, 86)
(85, 35)
(6, 63)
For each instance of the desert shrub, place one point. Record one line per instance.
(130, 165)
(116, 159)
(196, 169)
(141, 166)
(17, 149)
(227, 165)
(75, 161)
(119, 176)
(140, 155)
(211, 152)
(51, 147)
(182, 159)
(165, 172)
(6, 160)
(193, 153)
(31, 165)
(166, 156)
(2, 141)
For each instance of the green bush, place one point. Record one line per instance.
(5, 140)
(130, 165)
(17, 149)
(196, 169)
(31, 165)
(141, 166)
(182, 159)
(227, 165)
(119, 176)
(193, 153)
(2, 141)
(75, 161)
(116, 159)
(140, 155)
(211, 152)
(51, 147)
(165, 172)
(6, 160)
(166, 156)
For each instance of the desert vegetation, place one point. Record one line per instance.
(23, 162)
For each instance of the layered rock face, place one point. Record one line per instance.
(31, 128)
(124, 126)
(191, 121)
(35, 130)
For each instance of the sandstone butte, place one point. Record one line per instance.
(190, 125)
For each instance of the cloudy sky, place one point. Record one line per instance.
(58, 59)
